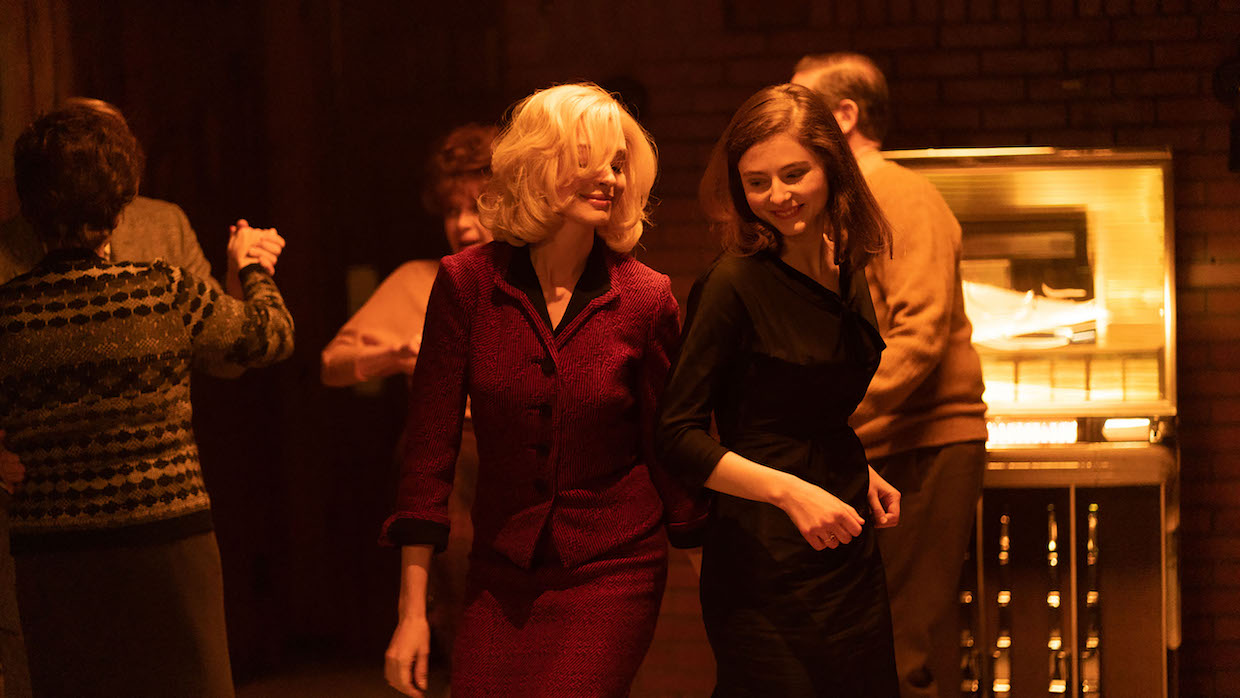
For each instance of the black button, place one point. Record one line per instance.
(547, 365)
(542, 450)
(544, 410)
(541, 486)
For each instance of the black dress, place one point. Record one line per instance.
(781, 362)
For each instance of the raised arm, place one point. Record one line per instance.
(265, 249)
(227, 333)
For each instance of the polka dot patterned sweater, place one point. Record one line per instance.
(95, 361)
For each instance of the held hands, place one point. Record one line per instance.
(248, 246)
(406, 663)
(884, 501)
(822, 518)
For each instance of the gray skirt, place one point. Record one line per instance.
(145, 620)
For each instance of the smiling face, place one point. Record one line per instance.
(593, 195)
(460, 219)
(784, 184)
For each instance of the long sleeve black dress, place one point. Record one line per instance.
(781, 362)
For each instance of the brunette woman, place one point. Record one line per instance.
(118, 570)
(561, 341)
(383, 336)
(779, 345)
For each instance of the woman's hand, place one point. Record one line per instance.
(378, 357)
(884, 501)
(405, 356)
(822, 518)
(406, 664)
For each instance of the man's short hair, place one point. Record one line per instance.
(839, 76)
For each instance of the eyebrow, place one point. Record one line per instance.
(799, 163)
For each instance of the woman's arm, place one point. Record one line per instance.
(384, 336)
(436, 415)
(406, 663)
(716, 331)
(823, 519)
(432, 443)
(226, 333)
(685, 512)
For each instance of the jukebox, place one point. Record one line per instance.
(1071, 588)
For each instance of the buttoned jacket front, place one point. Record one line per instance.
(564, 419)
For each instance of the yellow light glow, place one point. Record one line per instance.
(1010, 433)
(1126, 429)
(968, 152)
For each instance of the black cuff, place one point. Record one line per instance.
(410, 531)
(250, 269)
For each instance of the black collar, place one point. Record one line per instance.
(594, 282)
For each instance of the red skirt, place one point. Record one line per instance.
(557, 631)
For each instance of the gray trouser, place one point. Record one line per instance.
(923, 556)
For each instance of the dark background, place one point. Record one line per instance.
(316, 116)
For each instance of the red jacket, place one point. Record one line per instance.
(564, 420)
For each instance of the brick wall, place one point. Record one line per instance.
(1068, 73)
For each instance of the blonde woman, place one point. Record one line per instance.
(562, 341)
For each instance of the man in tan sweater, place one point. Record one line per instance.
(922, 420)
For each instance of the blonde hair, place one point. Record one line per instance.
(554, 137)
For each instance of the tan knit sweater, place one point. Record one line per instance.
(392, 316)
(928, 388)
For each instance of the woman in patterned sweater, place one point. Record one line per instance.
(118, 569)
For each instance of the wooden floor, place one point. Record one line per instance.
(333, 682)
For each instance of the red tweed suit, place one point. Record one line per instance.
(569, 557)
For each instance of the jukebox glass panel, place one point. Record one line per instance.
(1065, 264)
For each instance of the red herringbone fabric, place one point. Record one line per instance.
(569, 559)
(563, 420)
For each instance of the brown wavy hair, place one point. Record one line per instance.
(854, 223)
(76, 168)
(459, 162)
